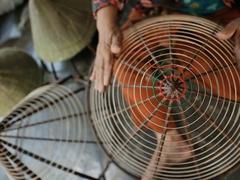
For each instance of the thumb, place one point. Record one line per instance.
(116, 42)
(229, 30)
(228, 3)
(237, 48)
(237, 53)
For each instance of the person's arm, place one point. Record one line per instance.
(229, 3)
(109, 43)
(232, 30)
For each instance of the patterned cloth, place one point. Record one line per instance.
(98, 4)
(194, 7)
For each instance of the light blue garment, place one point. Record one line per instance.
(201, 7)
(194, 7)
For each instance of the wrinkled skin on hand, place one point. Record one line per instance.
(110, 38)
(232, 30)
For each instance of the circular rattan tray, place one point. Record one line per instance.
(172, 109)
(43, 137)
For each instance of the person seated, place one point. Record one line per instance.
(113, 16)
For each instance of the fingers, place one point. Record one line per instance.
(229, 30)
(102, 68)
(97, 74)
(237, 48)
(229, 3)
(147, 3)
(232, 30)
(116, 42)
(107, 65)
(92, 77)
(237, 52)
(99, 80)
(107, 70)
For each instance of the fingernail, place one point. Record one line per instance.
(220, 35)
(91, 77)
(95, 87)
(101, 89)
(116, 49)
(98, 88)
(106, 83)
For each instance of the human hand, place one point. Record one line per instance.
(110, 38)
(147, 3)
(229, 3)
(232, 30)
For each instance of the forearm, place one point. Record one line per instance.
(106, 22)
(109, 43)
(106, 17)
